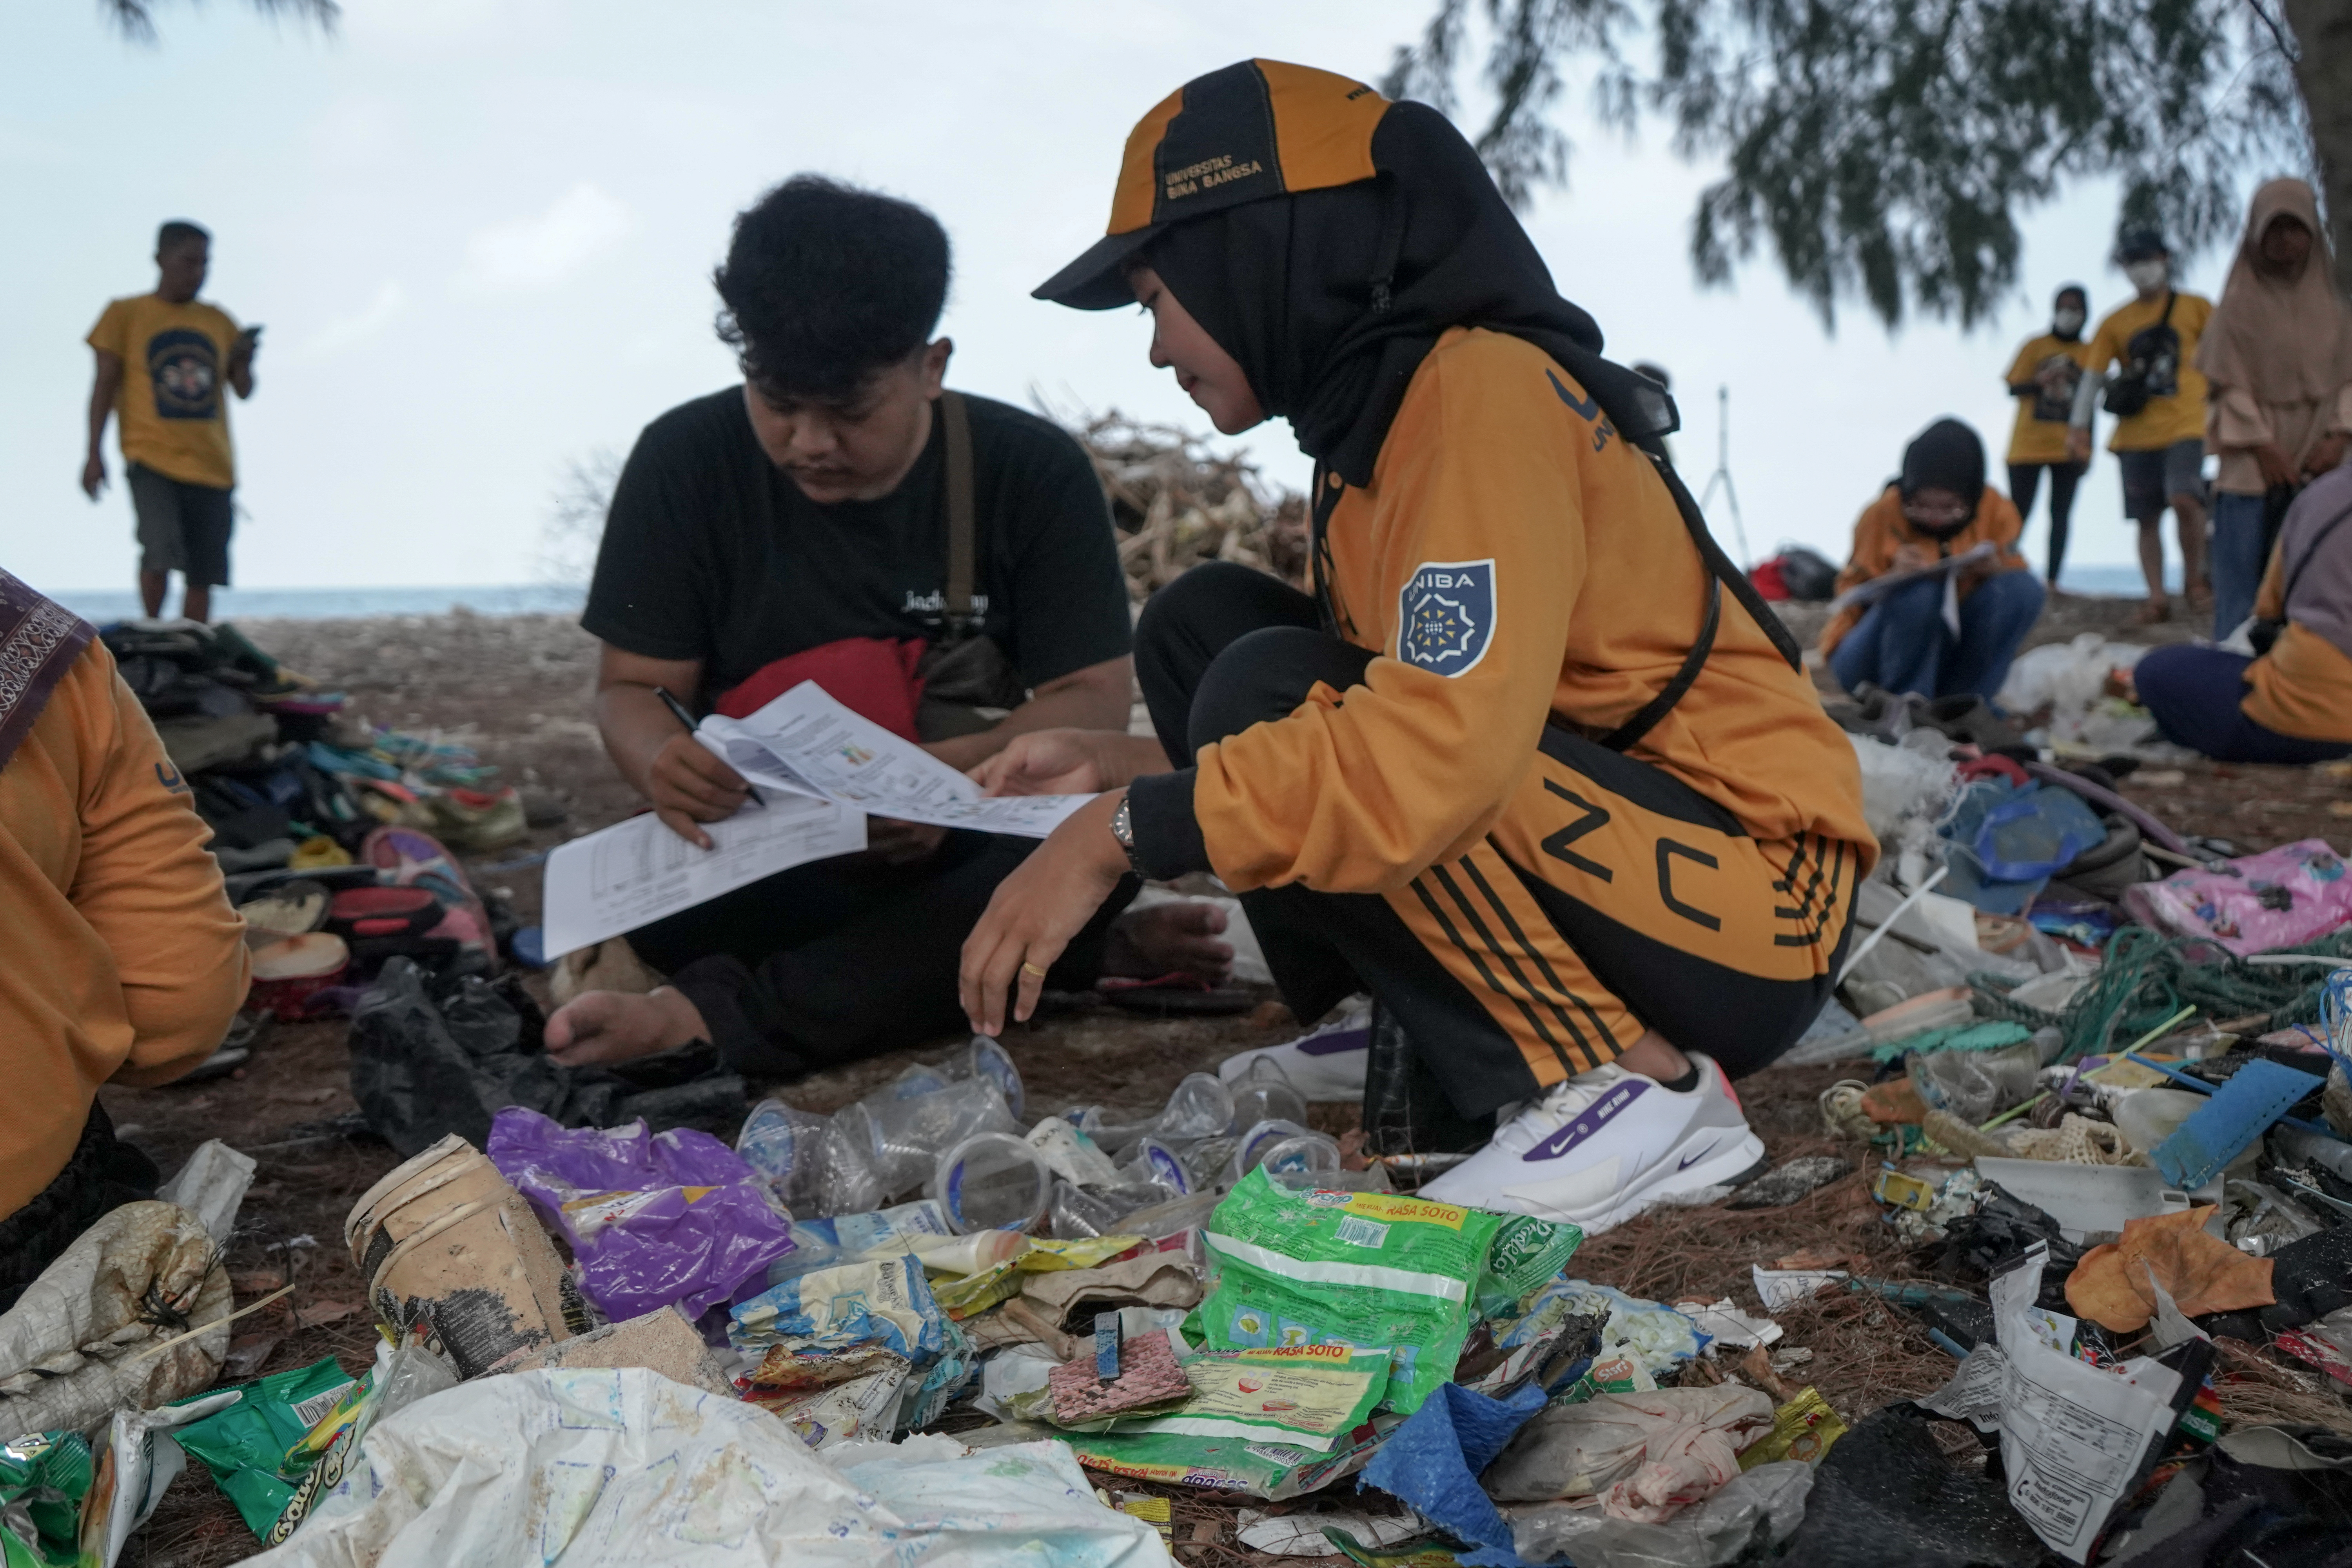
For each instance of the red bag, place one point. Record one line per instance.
(874, 677)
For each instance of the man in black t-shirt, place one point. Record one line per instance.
(803, 516)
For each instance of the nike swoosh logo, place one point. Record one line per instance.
(1690, 1159)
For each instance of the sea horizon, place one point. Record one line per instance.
(105, 606)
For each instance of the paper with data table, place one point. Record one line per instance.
(606, 883)
(808, 743)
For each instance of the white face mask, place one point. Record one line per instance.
(2068, 323)
(2146, 276)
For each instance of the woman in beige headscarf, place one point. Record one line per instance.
(2278, 354)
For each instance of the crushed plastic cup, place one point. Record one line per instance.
(1155, 1160)
(1251, 1149)
(1264, 1092)
(904, 1138)
(1075, 1212)
(992, 1181)
(1200, 1107)
(847, 1181)
(1206, 1161)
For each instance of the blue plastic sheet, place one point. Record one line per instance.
(1433, 1462)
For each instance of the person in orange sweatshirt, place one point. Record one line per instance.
(1516, 767)
(1946, 633)
(121, 960)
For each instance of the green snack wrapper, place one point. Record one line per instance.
(50, 1474)
(1368, 1269)
(244, 1447)
(1527, 1254)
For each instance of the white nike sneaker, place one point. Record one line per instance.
(1327, 1064)
(1606, 1145)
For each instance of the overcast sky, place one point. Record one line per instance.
(479, 233)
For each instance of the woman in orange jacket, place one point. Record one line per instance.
(1515, 767)
(1945, 633)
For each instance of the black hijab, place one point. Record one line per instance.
(1947, 454)
(1329, 298)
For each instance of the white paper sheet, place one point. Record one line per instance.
(603, 884)
(808, 743)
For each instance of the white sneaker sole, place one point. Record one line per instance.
(1662, 1183)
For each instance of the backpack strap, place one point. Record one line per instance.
(961, 526)
(1721, 571)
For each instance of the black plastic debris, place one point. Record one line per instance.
(436, 1055)
(1977, 1245)
(2310, 1278)
(1887, 1494)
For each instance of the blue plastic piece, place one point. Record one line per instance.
(527, 947)
(2241, 1110)
(1434, 1461)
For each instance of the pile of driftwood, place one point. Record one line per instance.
(1176, 504)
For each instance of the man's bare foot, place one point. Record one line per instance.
(2154, 611)
(600, 1027)
(1169, 939)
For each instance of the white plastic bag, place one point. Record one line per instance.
(626, 1469)
(1767, 1502)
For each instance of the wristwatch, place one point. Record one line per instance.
(1122, 827)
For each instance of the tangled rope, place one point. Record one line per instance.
(2146, 977)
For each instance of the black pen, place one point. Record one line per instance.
(678, 711)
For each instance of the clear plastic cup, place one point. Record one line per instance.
(905, 1137)
(1264, 1092)
(1157, 1160)
(992, 1181)
(1074, 1212)
(1302, 1154)
(1200, 1107)
(986, 1060)
(1206, 1161)
(1251, 1147)
(785, 1146)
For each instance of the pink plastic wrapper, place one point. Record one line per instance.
(2281, 898)
(673, 1219)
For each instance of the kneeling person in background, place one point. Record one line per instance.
(121, 961)
(802, 525)
(1952, 632)
(2294, 702)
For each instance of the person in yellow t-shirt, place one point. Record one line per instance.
(163, 360)
(2044, 378)
(2151, 343)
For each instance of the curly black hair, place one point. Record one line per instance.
(824, 284)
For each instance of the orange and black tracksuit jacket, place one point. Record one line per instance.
(1514, 581)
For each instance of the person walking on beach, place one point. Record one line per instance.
(2044, 378)
(2157, 395)
(162, 359)
(2278, 355)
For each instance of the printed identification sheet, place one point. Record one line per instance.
(806, 743)
(605, 883)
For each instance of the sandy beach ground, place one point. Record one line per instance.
(516, 689)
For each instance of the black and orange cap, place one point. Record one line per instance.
(1250, 130)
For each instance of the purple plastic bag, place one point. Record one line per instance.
(655, 1221)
